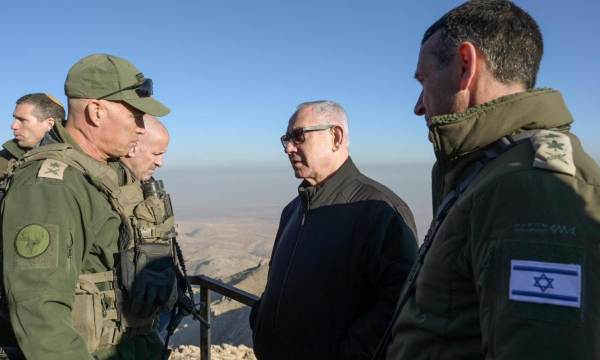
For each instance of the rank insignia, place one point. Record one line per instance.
(553, 151)
(32, 241)
(52, 169)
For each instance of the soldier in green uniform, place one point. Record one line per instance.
(35, 114)
(510, 268)
(64, 227)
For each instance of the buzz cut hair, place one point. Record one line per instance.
(507, 36)
(331, 113)
(44, 106)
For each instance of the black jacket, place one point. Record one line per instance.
(341, 255)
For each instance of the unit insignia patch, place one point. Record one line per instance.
(32, 241)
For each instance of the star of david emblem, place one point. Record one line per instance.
(55, 172)
(54, 165)
(551, 136)
(543, 282)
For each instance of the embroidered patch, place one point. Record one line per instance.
(32, 241)
(545, 283)
(553, 151)
(36, 246)
(52, 169)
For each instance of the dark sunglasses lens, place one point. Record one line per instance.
(285, 140)
(297, 136)
(145, 89)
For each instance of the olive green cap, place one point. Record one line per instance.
(97, 75)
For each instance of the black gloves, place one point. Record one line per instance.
(149, 277)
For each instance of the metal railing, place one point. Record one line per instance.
(209, 284)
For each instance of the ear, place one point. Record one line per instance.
(49, 123)
(95, 111)
(337, 133)
(132, 152)
(468, 57)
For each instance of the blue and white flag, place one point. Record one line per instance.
(545, 283)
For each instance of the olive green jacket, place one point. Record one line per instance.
(490, 286)
(11, 150)
(53, 230)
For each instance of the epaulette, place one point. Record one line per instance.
(553, 151)
(52, 169)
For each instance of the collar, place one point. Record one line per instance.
(14, 149)
(126, 175)
(313, 197)
(61, 135)
(456, 135)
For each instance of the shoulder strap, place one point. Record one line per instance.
(101, 175)
(499, 148)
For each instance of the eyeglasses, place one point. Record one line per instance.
(143, 89)
(298, 136)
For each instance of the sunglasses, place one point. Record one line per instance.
(298, 136)
(143, 89)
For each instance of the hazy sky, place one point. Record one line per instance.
(232, 71)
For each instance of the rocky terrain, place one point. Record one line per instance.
(216, 248)
(217, 352)
(229, 319)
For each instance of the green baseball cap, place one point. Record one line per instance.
(98, 75)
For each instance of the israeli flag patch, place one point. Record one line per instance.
(545, 283)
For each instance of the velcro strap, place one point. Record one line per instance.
(98, 277)
(111, 314)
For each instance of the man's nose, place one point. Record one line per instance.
(159, 161)
(290, 147)
(14, 125)
(419, 107)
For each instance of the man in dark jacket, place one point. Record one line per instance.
(342, 252)
(513, 267)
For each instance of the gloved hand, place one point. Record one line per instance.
(154, 287)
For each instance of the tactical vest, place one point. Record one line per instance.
(99, 316)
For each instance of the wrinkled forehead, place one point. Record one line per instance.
(302, 118)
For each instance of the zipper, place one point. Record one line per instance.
(487, 260)
(70, 248)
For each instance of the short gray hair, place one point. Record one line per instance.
(330, 113)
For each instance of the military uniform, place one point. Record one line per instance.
(11, 150)
(66, 219)
(57, 225)
(513, 270)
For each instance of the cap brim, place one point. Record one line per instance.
(149, 106)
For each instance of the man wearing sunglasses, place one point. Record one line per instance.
(65, 224)
(343, 249)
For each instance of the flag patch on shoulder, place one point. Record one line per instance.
(545, 283)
